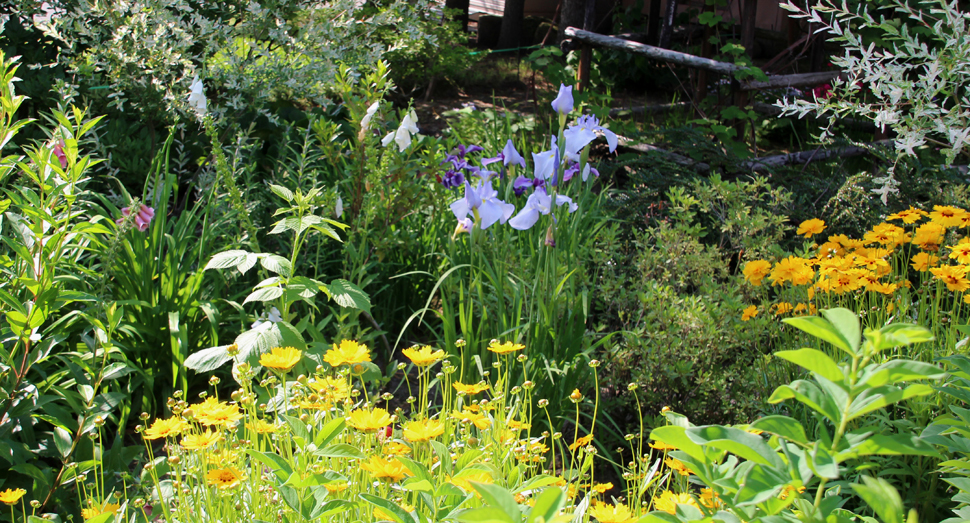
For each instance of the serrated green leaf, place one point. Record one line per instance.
(347, 294)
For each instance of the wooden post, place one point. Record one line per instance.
(749, 14)
(707, 49)
(586, 53)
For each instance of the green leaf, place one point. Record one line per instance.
(743, 444)
(823, 464)
(328, 432)
(63, 441)
(276, 463)
(208, 360)
(546, 506)
(225, 260)
(896, 371)
(282, 192)
(340, 450)
(889, 445)
(398, 514)
(298, 427)
(897, 335)
(677, 437)
(347, 294)
(810, 395)
(497, 497)
(264, 294)
(783, 426)
(276, 264)
(877, 398)
(840, 327)
(815, 361)
(760, 484)
(882, 497)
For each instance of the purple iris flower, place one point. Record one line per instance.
(482, 202)
(452, 179)
(584, 131)
(522, 184)
(539, 203)
(507, 156)
(563, 104)
(460, 168)
(546, 162)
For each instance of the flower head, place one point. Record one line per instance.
(402, 136)
(947, 216)
(563, 104)
(423, 356)
(349, 352)
(226, 478)
(923, 261)
(911, 215)
(606, 513)
(470, 390)
(385, 469)
(165, 428)
(756, 270)
(369, 115)
(281, 359)
(11, 496)
(423, 430)
(197, 99)
(509, 155)
(272, 315)
(584, 131)
(215, 413)
(200, 441)
(332, 389)
(954, 276)
(478, 419)
(369, 420)
(668, 501)
(504, 348)
(481, 201)
(811, 227)
(93, 511)
(581, 442)
(961, 251)
(750, 312)
(539, 203)
(59, 153)
(143, 217)
(261, 427)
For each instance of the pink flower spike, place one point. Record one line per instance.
(59, 153)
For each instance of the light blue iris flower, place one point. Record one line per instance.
(482, 202)
(584, 131)
(539, 203)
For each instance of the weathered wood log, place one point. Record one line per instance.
(684, 161)
(803, 157)
(792, 80)
(657, 53)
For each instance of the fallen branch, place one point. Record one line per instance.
(803, 157)
(658, 53)
(648, 109)
(792, 80)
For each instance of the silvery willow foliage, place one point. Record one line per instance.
(915, 84)
(147, 52)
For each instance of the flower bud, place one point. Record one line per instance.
(214, 381)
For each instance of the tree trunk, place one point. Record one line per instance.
(572, 15)
(462, 17)
(511, 32)
(653, 23)
(667, 30)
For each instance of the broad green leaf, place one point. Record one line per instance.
(810, 395)
(329, 431)
(743, 444)
(276, 463)
(882, 497)
(677, 437)
(497, 497)
(227, 259)
(815, 361)
(63, 441)
(875, 399)
(276, 264)
(760, 484)
(897, 335)
(258, 340)
(889, 445)
(823, 463)
(546, 506)
(264, 294)
(298, 427)
(347, 294)
(398, 514)
(208, 360)
(658, 516)
(896, 371)
(340, 450)
(783, 426)
(282, 192)
(840, 327)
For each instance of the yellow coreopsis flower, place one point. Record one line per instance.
(332, 389)
(911, 215)
(281, 359)
(668, 501)
(755, 271)
(676, 464)
(369, 420)
(470, 390)
(581, 442)
(961, 251)
(659, 445)
(11, 496)
(954, 276)
(923, 261)
(601, 488)
(811, 227)
(606, 513)
(385, 469)
(504, 348)
(396, 448)
(107, 508)
(929, 236)
(792, 269)
(349, 352)
(261, 427)
(336, 486)
(165, 428)
(423, 430)
(749, 312)
(200, 441)
(423, 356)
(783, 308)
(464, 482)
(213, 412)
(226, 478)
(947, 216)
(710, 499)
(479, 420)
